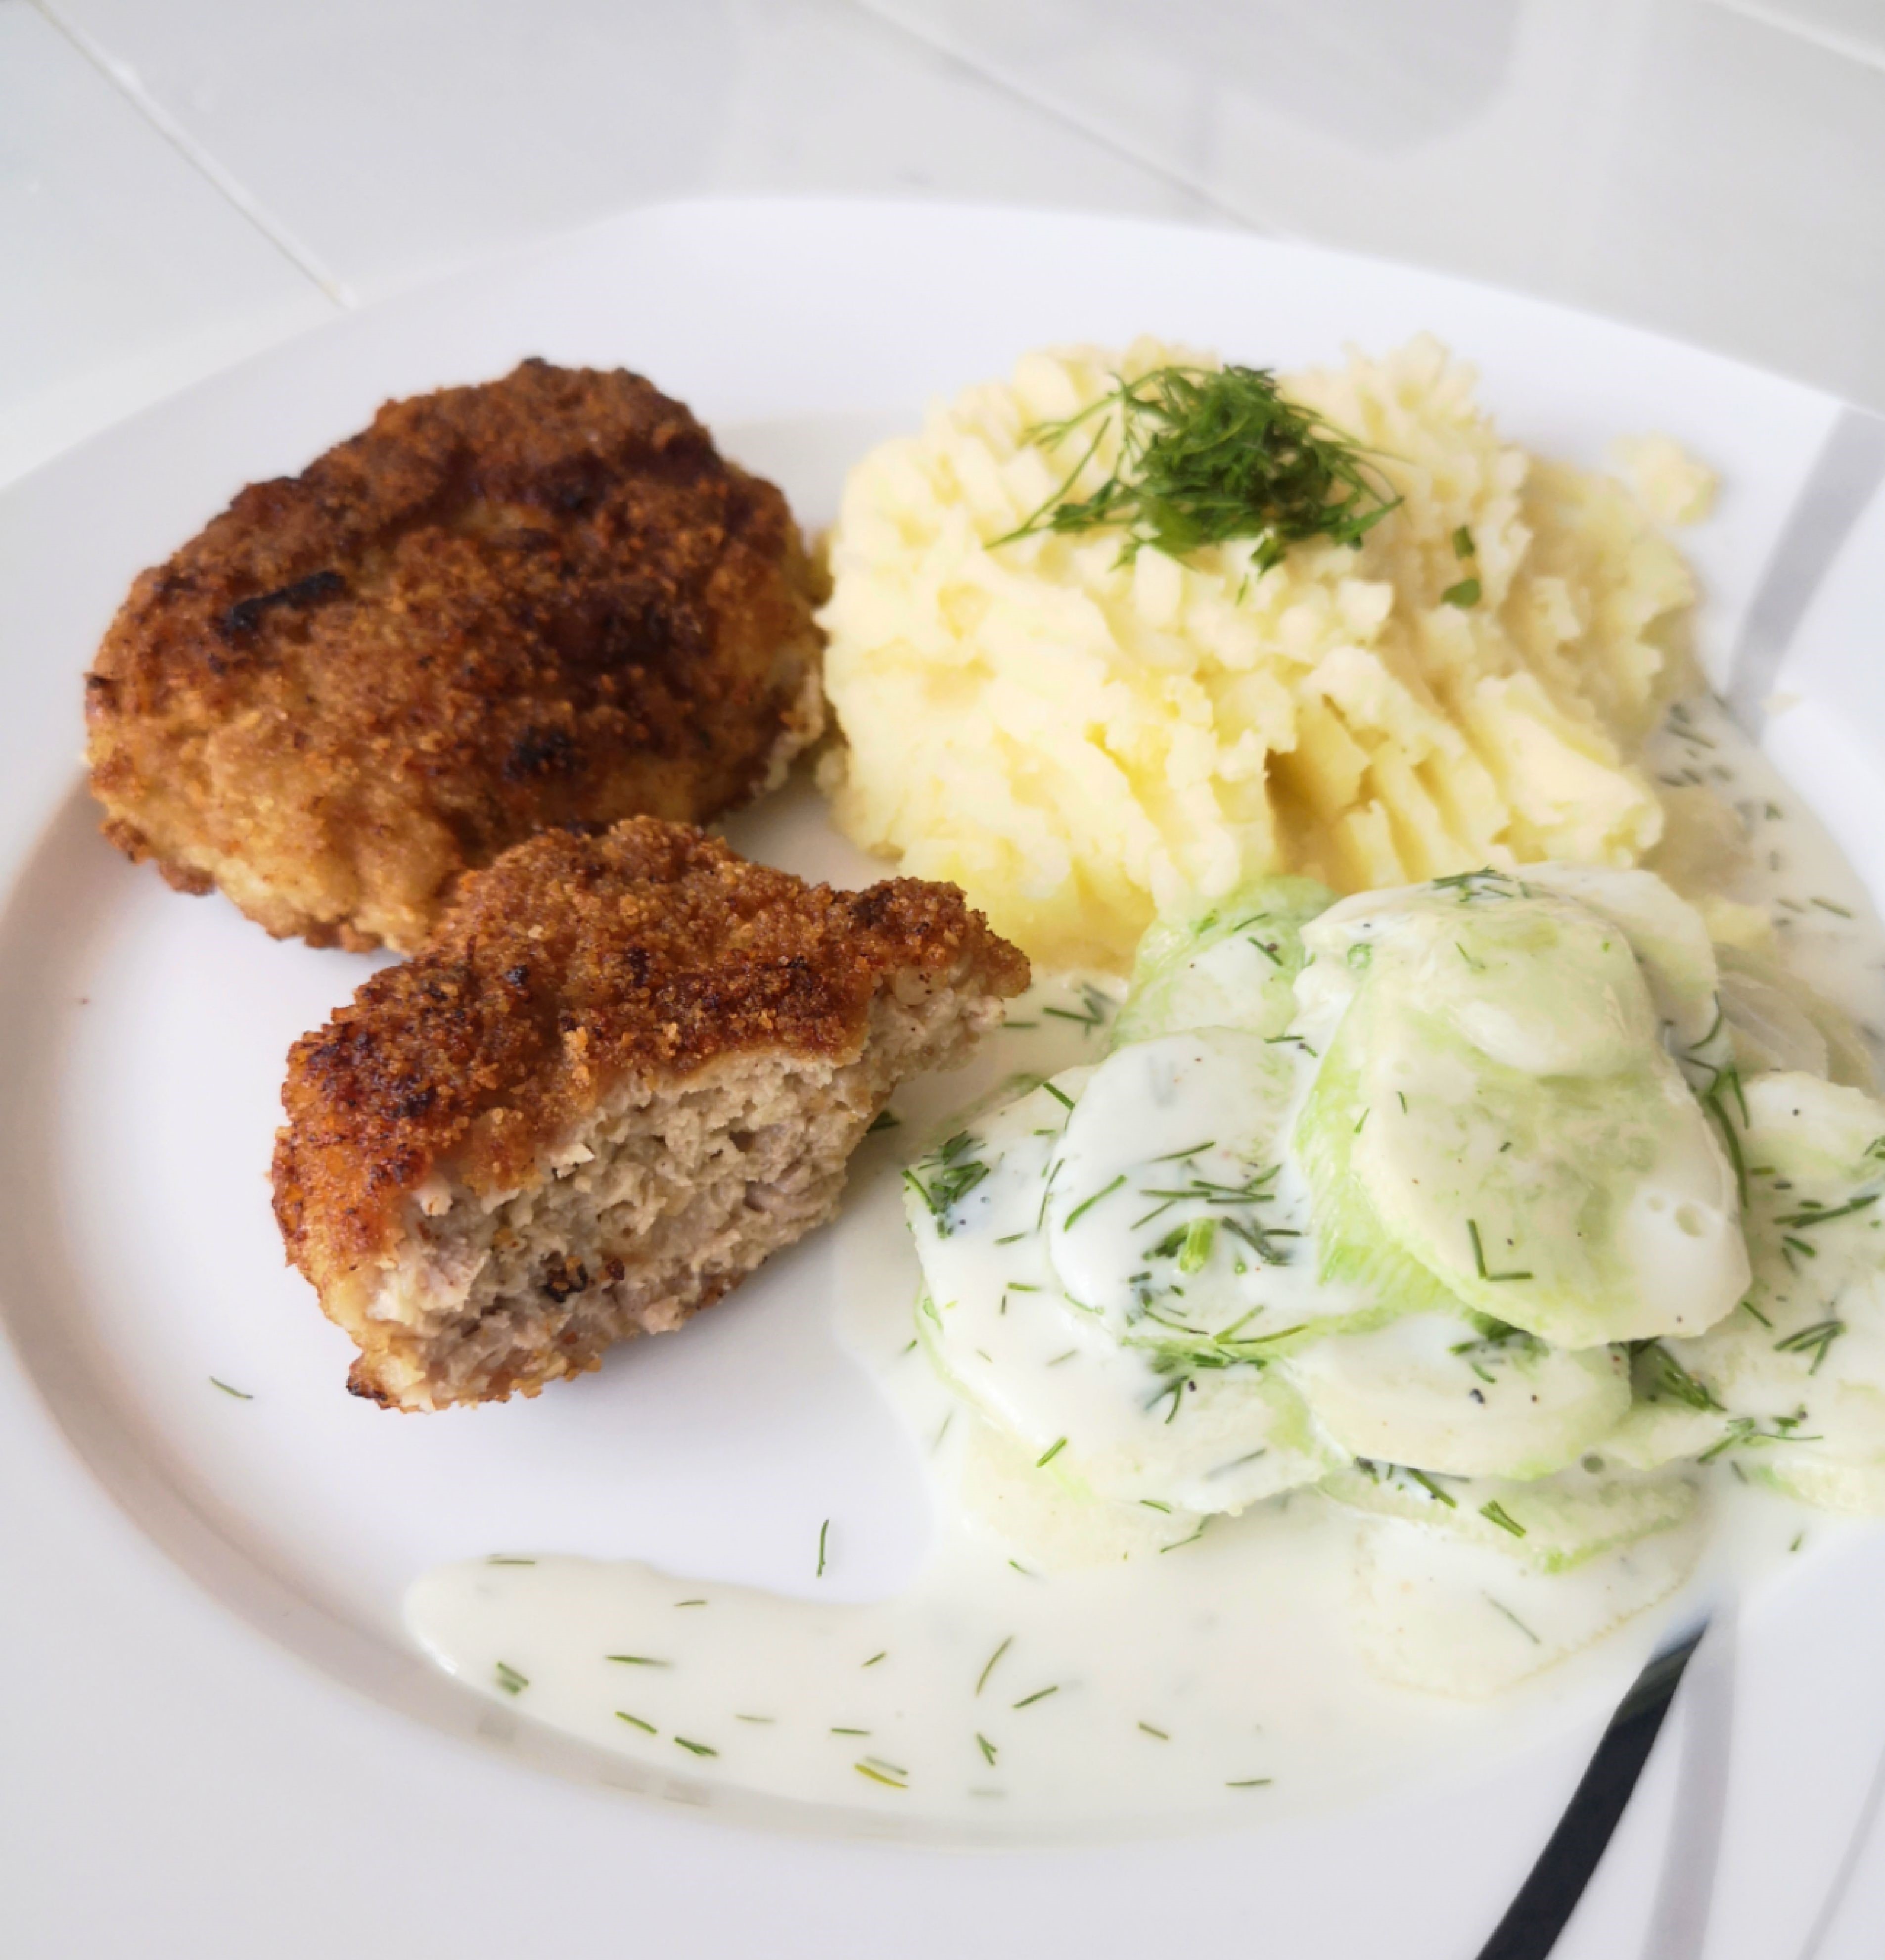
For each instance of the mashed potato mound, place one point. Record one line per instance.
(1080, 743)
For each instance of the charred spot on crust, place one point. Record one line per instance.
(540, 753)
(240, 620)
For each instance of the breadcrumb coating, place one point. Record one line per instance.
(584, 991)
(541, 600)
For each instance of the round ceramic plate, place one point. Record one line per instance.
(219, 1738)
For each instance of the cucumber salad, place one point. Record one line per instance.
(1502, 1211)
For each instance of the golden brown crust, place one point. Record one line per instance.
(578, 959)
(543, 600)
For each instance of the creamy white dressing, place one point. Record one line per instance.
(1061, 1663)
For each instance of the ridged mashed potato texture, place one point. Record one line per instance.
(1081, 741)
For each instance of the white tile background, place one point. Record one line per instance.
(184, 181)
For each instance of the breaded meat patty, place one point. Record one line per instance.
(545, 600)
(627, 1067)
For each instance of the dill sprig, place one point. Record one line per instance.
(1814, 1341)
(982, 1679)
(1206, 455)
(1672, 1381)
(953, 1174)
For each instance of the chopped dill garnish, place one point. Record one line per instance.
(1478, 1257)
(1047, 1455)
(1153, 1504)
(510, 1680)
(1497, 1514)
(883, 1120)
(1039, 1694)
(1177, 1544)
(850, 1732)
(679, 1603)
(1433, 1489)
(1675, 1382)
(637, 1660)
(1466, 593)
(1151, 1731)
(695, 1748)
(824, 1531)
(878, 1776)
(1059, 1095)
(1087, 1203)
(1463, 542)
(1207, 455)
(636, 1721)
(982, 1679)
(1814, 1341)
(241, 1394)
(953, 1174)
(987, 1747)
(767, 1719)
(1821, 1214)
(1745, 1433)
(1827, 906)
(1250, 1783)
(1093, 1005)
(496, 1559)
(876, 1657)
(1059, 1358)
(1515, 1620)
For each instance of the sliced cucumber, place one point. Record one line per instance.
(1054, 1528)
(1232, 965)
(1778, 1022)
(1519, 1129)
(1855, 1488)
(1353, 1247)
(1792, 1383)
(1439, 1392)
(1104, 1419)
(1457, 1619)
(1549, 1525)
(1667, 935)
(1174, 1217)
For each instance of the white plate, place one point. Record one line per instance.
(217, 1739)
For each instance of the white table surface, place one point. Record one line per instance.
(183, 183)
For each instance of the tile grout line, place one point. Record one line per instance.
(885, 17)
(124, 79)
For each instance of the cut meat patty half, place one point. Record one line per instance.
(628, 1066)
(542, 600)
